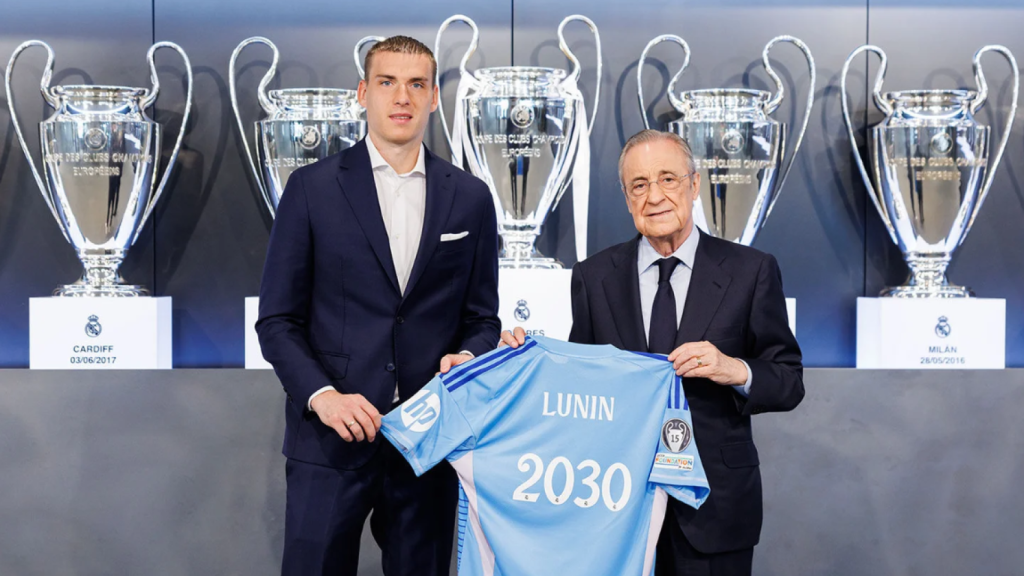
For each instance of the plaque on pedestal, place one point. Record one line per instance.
(253, 354)
(100, 333)
(539, 301)
(931, 333)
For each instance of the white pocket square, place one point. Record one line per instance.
(450, 237)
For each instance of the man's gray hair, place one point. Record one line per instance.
(644, 136)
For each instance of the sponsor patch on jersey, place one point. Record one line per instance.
(684, 462)
(421, 411)
(676, 435)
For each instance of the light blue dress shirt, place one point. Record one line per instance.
(647, 269)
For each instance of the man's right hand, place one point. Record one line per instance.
(351, 415)
(514, 339)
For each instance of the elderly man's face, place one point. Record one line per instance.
(661, 214)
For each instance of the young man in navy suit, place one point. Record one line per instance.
(382, 269)
(718, 311)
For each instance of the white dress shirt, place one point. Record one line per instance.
(646, 261)
(403, 201)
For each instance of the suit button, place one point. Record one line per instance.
(400, 320)
(390, 367)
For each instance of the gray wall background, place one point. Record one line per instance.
(206, 243)
(900, 473)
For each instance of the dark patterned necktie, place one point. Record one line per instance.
(662, 336)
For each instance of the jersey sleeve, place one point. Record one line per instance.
(427, 427)
(444, 418)
(677, 467)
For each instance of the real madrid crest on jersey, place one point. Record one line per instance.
(522, 313)
(676, 435)
(943, 329)
(93, 328)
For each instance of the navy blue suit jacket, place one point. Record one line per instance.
(735, 301)
(332, 314)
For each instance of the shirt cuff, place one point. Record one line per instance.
(468, 353)
(745, 388)
(309, 405)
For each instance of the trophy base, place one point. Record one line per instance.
(103, 291)
(529, 264)
(910, 291)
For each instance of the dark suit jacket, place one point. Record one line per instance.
(735, 301)
(330, 308)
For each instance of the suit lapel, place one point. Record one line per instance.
(708, 284)
(360, 190)
(622, 287)
(440, 197)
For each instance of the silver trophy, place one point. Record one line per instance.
(100, 156)
(524, 131)
(303, 125)
(931, 171)
(738, 150)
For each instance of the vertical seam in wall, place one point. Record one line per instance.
(867, 104)
(152, 32)
(511, 33)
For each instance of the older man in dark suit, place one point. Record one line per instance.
(717, 309)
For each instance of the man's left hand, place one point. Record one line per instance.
(704, 360)
(452, 360)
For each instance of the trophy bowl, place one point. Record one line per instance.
(931, 171)
(100, 155)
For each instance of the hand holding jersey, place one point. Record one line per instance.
(552, 439)
(691, 360)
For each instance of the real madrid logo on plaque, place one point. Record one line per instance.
(95, 138)
(676, 435)
(93, 327)
(522, 115)
(310, 137)
(943, 329)
(522, 313)
(733, 141)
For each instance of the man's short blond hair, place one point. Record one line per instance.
(645, 136)
(401, 45)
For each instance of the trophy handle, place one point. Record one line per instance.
(464, 74)
(574, 76)
(676, 103)
(265, 103)
(359, 48)
(181, 133)
(979, 76)
(774, 102)
(885, 107)
(44, 87)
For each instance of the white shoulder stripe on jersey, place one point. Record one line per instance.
(464, 468)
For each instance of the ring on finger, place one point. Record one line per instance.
(699, 362)
(351, 424)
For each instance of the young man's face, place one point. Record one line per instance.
(399, 95)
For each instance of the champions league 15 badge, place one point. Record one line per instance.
(676, 435)
(943, 329)
(93, 328)
(522, 313)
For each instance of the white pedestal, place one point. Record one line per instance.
(934, 333)
(540, 301)
(100, 333)
(253, 355)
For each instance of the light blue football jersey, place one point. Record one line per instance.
(566, 455)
